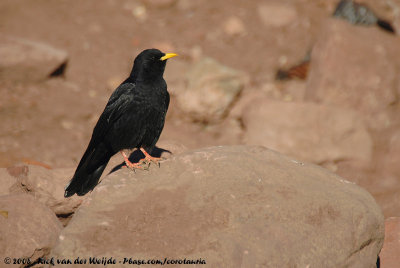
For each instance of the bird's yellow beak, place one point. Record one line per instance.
(168, 55)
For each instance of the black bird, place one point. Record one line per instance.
(133, 118)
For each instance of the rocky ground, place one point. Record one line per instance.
(60, 61)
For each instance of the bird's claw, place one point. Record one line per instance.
(144, 164)
(155, 160)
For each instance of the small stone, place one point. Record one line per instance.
(140, 13)
(234, 26)
(67, 124)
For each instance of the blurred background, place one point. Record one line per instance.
(282, 74)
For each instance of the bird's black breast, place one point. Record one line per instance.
(135, 115)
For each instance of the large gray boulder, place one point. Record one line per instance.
(232, 207)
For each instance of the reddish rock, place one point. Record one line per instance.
(247, 98)
(358, 68)
(27, 60)
(210, 91)
(392, 158)
(308, 131)
(169, 148)
(47, 186)
(232, 206)
(30, 230)
(6, 181)
(390, 257)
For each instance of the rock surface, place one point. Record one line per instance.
(30, 230)
(341, 75)
(392, 157)
(389, 255)
(6, 181)
(277, 14)
(232, 207)
(47, 187)
(211, 90)
(26, 60)
(309, 131)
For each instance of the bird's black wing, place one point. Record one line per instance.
(101, 147)
(119, 99)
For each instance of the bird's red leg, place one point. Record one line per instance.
(148, 157)
(129, 163)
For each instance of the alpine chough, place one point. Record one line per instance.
(133, 118)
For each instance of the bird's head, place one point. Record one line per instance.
(150, 64)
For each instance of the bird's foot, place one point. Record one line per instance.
(132, 166)
(150, 159)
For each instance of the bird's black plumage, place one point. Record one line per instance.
(133, 118)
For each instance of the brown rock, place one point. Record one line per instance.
(358, 68)
(234, 26)
(29, 231)
(173, 77)
(392, 158)
(6, 181)
(247, 98)
(312, 132)
(26, 60)
(232, 207)
(383, 185)
(389, 255)
(159, 3)
(164, 149)
(47, 186)
(170, 148)
(211, 90)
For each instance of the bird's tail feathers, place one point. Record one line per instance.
(88, 173)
